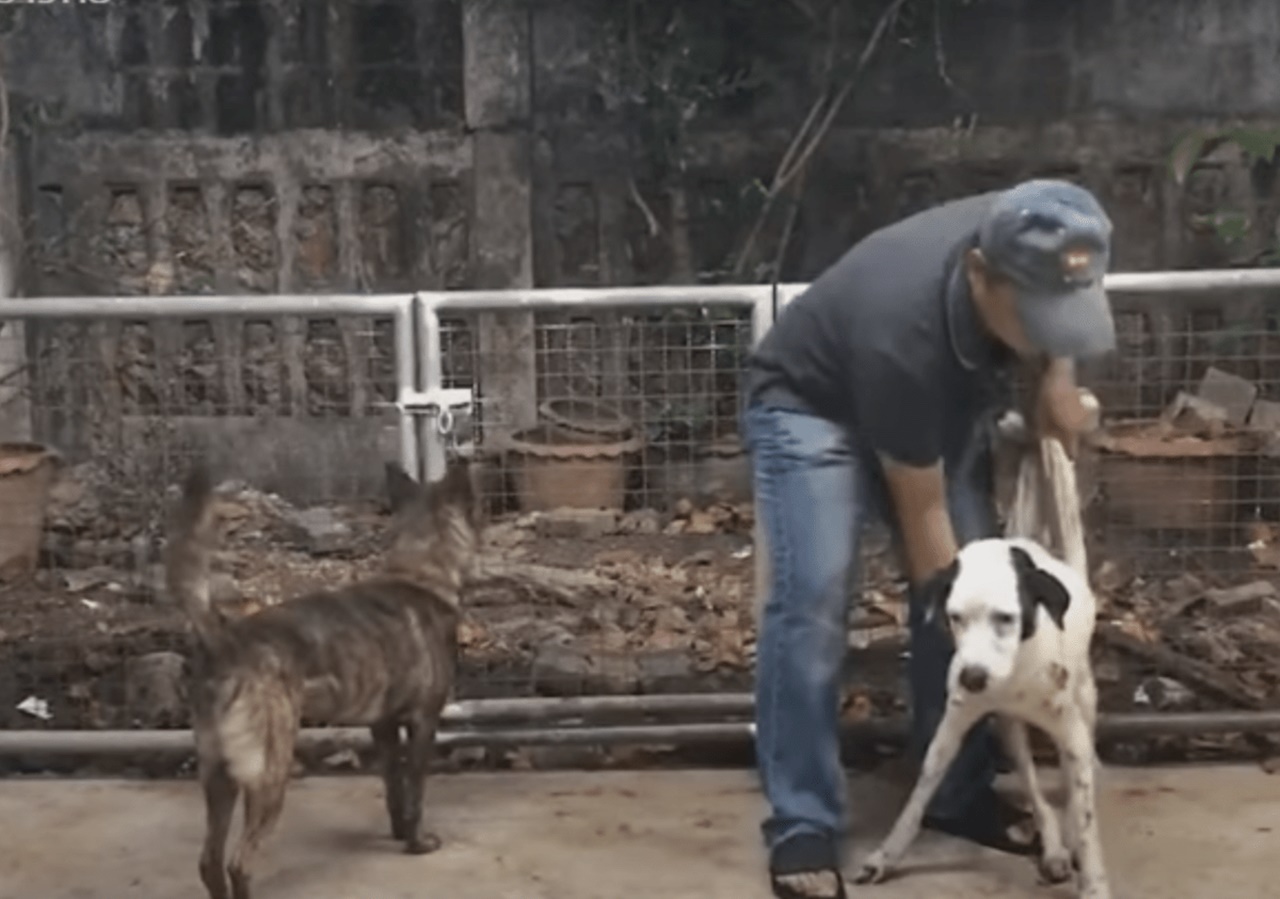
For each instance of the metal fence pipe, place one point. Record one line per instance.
(406, 367)
(541, 711)
(611, 298)
(785, 293)
(1166, 282)
(430, 378)
(165, 742)
(1193, 281)
(763, 312)
(204, 306)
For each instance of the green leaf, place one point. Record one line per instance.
(1191, 149)
(1259, 144)
(1231, 227)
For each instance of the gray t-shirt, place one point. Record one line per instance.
(887, 342)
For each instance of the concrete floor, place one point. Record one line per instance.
(1183, 833)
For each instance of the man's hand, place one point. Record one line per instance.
(1062, 409)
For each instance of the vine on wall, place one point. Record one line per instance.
(681, 63)
(1243, 232)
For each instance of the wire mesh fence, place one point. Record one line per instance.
(1181, 491)
(648, 397)
(619, 493)
(1185, 478)
(618, 552)
(295, 417)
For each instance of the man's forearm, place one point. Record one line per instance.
(920, 503)
(1060, 369)
(930, 543)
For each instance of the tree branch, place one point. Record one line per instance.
(650, 219)
(873, 44)
(794, 160)
(939, 54)
(805, 9)
(793, 213)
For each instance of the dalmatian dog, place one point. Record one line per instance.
(1022, 621)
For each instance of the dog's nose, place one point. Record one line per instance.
(973, 678)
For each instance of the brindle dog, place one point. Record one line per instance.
(379, 652)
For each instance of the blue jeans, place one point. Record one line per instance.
(814, 493)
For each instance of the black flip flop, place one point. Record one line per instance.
(805, 853)
(987, 822)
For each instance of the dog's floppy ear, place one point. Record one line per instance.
(1037, 587)
(401, 488)
(933, 593)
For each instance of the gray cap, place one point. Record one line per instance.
(1052, 239)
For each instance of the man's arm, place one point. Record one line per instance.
(901, 408)
(1060, 409)
(919, 497)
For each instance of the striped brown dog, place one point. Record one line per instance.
(379, 652)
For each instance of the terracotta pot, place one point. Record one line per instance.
(27, 471)
(724, 472)
(1184, 483)
(554, 468)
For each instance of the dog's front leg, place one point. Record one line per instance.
(1055, 860)
(956, 723)
(421, 746)
(1078, 756)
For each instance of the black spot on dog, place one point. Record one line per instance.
(1037, 587)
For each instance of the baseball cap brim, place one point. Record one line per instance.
(1075, 323)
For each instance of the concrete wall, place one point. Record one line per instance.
(986, 104)
(326, 145)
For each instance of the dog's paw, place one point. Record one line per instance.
(423, 844)
(874, 870)
(1055, 868)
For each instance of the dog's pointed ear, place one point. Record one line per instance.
(401, 488)
(933, 593)
(457, 480)
(1037, 587)
(455, 488)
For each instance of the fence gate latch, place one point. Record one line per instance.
(451, 408)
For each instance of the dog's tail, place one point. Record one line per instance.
(192, 541)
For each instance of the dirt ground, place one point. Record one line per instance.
(1174, 833)
(566, 603)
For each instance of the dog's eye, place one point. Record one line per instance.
(955, 619)
(1003, 619)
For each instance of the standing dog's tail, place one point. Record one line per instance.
(192, 540)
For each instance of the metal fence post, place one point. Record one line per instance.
(431, 380)
(406, 381)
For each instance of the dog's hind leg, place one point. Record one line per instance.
(956, 723)
(220, 793)
(266, 763)
(1055, 860)
(420, 749)
(263, 803)
(390, 744)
